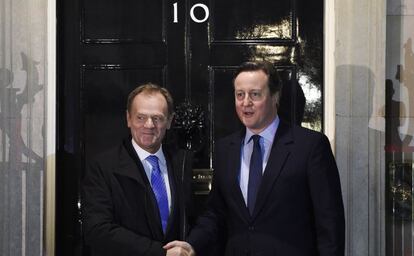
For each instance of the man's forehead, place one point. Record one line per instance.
(148, 96)
(250, 89)
(149, 101)
(251, 76)
(251, 85)
(149, 113)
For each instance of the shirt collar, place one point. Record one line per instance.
(267, 134)
(143, 154)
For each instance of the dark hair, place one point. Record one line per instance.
(274, 82)
(150, 88)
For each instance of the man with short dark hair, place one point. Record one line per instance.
(276, 188)
(131, 199)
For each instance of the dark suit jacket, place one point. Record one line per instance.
(299, 209)
(119, 209)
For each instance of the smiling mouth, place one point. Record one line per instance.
(248, 113)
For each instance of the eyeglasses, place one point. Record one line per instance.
(253, 95)
(156, 120)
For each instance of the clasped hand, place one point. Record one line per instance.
(179, 248)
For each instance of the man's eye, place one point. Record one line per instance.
(255, 95)
(156, 119)
(240, 95)
(141, 118)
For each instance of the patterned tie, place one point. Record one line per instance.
(255, 173)
(158, 186)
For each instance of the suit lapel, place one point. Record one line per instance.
(277, 158)
(131, 166)
(173, 176)
(234, 172)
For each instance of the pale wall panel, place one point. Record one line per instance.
(23, 53)
(360, 126)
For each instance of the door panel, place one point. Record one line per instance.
(122, 21)
(107, 47)
(261, 20)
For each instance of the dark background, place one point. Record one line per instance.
(108, 47)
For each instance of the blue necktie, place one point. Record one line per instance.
(158, 186)
(255, 173)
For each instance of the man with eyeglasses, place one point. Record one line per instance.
(276, 188)
(133, 196)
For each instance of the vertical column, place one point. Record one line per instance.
(22, 82)
(359, 122)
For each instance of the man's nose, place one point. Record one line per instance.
(149, 123)
(246, 100)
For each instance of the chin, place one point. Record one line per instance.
(248, 123)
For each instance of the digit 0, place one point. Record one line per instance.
(193, 17)
(206, 13)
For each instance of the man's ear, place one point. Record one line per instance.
(170, 120)
(128, 118)
(276, 99)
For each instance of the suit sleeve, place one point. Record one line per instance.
(206, 235)
(325, 189)
(101, 233)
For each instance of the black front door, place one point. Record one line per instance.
(108, 47)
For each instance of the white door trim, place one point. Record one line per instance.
(50, 166)
(329, 72)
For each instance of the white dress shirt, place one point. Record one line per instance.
(142, 154)
(266, 142)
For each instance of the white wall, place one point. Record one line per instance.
(23, 86)
(359, 122)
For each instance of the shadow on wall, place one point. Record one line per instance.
(405, 78)
(12, 102)
(394, 116)
(400, 103)
(359, 95)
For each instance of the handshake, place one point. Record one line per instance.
(179, 248)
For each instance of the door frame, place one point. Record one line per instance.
(49, 198)
(329, 72)
(49, 212)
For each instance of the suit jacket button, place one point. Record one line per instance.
(251, 228)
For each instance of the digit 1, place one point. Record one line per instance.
(175, 13)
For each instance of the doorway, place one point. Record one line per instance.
(191, 47)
